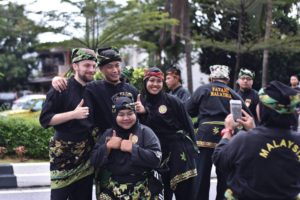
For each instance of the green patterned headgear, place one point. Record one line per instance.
(79, 54)
(279, 97)
(246, 72)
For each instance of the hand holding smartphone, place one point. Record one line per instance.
(236, 109)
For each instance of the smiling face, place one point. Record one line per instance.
(85, 70)
(112, 71)
(126, 118)
(154, 85)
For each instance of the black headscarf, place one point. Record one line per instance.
(122, 103)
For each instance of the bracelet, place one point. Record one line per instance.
(226, 130)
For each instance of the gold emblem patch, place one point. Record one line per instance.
(162, 109)
(134, 139)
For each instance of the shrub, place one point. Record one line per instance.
(27, 132)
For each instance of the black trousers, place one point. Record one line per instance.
(204, 165)
(185, 190)
(79, 190)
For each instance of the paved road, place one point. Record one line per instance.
(44, 193)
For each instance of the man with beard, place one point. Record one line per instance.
(70, 169)
(248, 94)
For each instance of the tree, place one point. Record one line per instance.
(18, 37)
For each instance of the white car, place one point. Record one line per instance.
(28, 101)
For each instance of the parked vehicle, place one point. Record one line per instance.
(27, 101)
(7, 99)
(28, 105)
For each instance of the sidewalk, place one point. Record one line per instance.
(24, 175)
(18, 175)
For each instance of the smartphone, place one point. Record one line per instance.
(236, 109)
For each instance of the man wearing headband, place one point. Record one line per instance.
(70, 169)
(249, 95)
(263, 162)
(210, 103)
(174, 83)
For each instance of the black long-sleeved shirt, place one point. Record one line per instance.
(98, 98)
(65, 101)
(251, 99)
(145, 156)
(182, 93)
(263, 163)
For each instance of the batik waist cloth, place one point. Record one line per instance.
(115, 190)
(69, 161)
(209, 133)
(178, 160)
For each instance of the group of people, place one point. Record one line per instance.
(145, 146)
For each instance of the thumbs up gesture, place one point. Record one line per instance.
(126, 145)
(81, 112)
(114, 142)
(139, 106)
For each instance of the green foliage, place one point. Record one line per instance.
(18, 37)
(26, 132)
(137, 78)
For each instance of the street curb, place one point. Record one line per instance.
(16, 175)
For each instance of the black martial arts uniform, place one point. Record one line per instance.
(251, 99)
(126, 175)
(182, 93)
(167, 117)
(210, 103)
(70, 147)
(98, 96)
(263, 163)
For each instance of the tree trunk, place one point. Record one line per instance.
(239, 45)
(188, 44)
(266, 50)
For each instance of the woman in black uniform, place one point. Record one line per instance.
(167, 117)
(126, 155)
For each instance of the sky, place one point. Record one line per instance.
(50, 5)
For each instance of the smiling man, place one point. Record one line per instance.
(70, 147)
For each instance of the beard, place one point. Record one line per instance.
(85, 78)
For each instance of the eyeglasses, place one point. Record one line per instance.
(246, 78)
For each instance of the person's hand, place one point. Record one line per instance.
(81, 112)
(126, 145)
(247, 121)
(230, 123)
(114, 142)
(59, 83)
(139, 106)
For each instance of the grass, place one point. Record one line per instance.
(12, 159)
